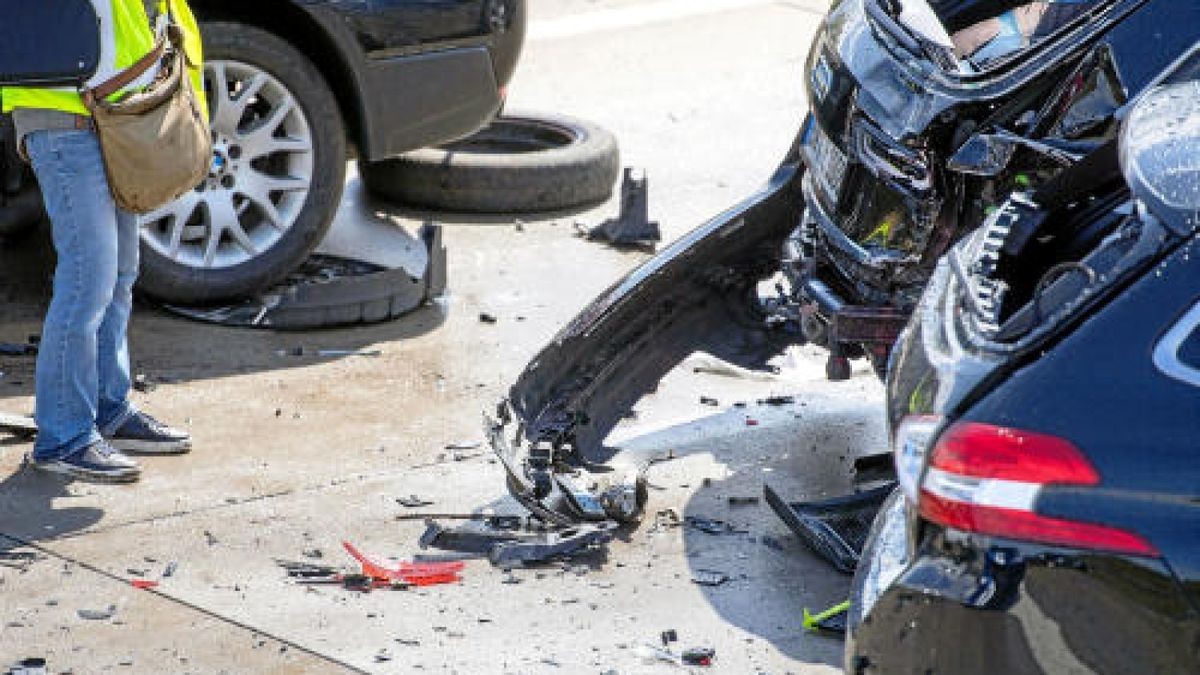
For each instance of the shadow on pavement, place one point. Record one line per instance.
(35, 506)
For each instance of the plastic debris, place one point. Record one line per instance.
(417, 574)
(30, 666)
(709, 577)
(712, 526)
(633, 227)
(832, 620)
(669, 636)
(97, 614)
(698, 656)
(413, 502)
(143, 584)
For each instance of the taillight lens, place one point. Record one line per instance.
(986, 479)
(914, 435)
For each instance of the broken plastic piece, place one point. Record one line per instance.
(21, 426)
(413, 502)
(835, 529)
(97, 614)
(699, 656)
(30, 666)
(711, 526)
(551, 545)
(143, 584)
(417, 574)
(709, 577)
(633, 226)
(831, 620)
(336, 291)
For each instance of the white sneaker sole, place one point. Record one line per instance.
(151, 447)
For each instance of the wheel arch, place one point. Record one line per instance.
(307, 34)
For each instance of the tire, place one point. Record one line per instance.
(284, 186)
(519, 163)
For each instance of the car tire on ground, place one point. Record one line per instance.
(277, 179)
(519, 163)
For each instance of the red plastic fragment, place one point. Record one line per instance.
(143, 584)
(417, 574)
(751, 423)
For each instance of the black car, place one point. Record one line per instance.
(297, 87)
(1044, 405)
(924, 114)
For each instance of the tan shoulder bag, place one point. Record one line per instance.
(156, 143)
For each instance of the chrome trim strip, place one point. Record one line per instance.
(1166, 352)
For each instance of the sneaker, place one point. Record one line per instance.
(143, 434)
(98, 463)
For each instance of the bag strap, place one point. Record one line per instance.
(126, 77)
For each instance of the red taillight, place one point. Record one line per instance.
(985, 479)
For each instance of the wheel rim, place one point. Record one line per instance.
(259, 180)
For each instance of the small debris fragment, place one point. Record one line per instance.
(314, 553)
(709, 577)
(170, 569)
(705, 400)
(778, 400)
(97, 614)
(484, 317)
(712, 526)
(143, 584)
(669, 636)
(209, 538)
(699, 656)
(743, 501)
(464, 445)
(772, 543)
(751, 422)
(383, 655)
(143, 384)
(413, 502)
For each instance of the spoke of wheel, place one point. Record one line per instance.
(264, 184)
(177, 214)
(223, 106)
(262, 200)
(262, 133)
(265, 146)
(221, 217)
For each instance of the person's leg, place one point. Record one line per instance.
(113, 348)
(120, 423)
(83, 223)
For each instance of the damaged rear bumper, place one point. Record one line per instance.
(699, 294)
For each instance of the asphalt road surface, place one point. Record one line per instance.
(295, 454)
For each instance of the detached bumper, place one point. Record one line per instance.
(699, 294)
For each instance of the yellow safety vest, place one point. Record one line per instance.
(125, 37)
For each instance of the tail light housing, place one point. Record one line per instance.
(986, 479)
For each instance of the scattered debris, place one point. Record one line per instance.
(832, 620)
(210, 539)
(21, 426)
(97, 614)
(705, 400)
(835, 529)
(709, 577)
(509, 547)
(633, 227)
(143, 584)
(712, 526)
(30, 666)
(17, 349)
(484, 317)
(751, 422)
(698, 656)
(772, 543)
(664, 519)
(417, 574)
(413, 502)
(778, 400)
(464, 445)
(743, 501)
(314, 553)
(382, 656)
(143, 384)
(170, 569)
(19, 560)
(669, 636)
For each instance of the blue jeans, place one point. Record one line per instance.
(83, 362)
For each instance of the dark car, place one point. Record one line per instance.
(1044, 405)
(297, 87)
(924, 114)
